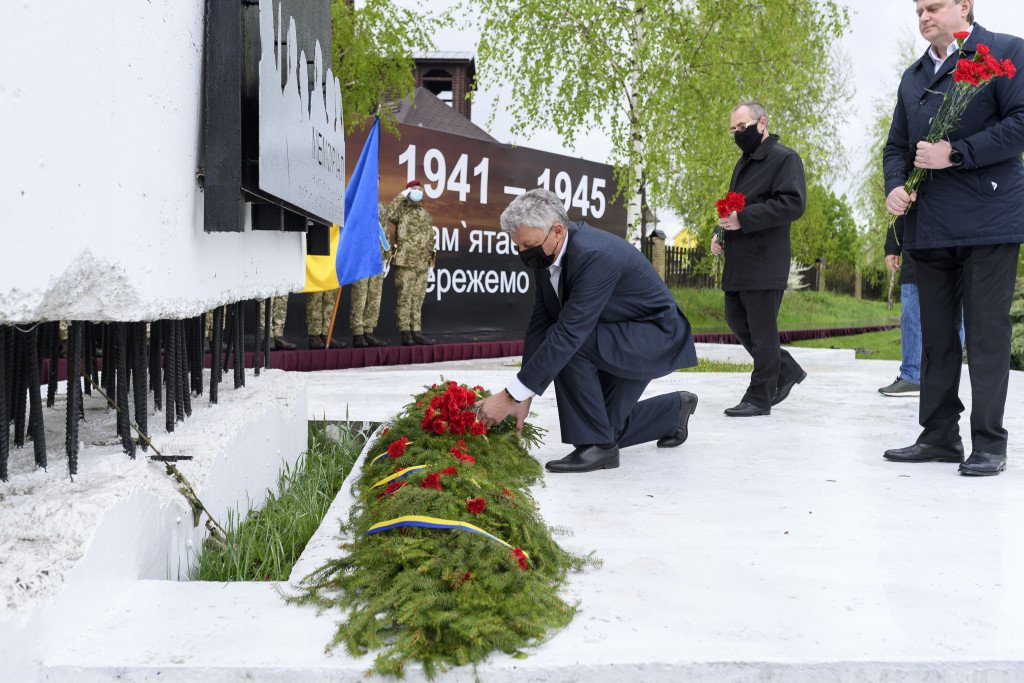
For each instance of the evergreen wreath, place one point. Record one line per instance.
(450, 560)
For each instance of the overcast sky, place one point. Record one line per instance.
(877, 28)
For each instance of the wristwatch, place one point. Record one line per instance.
(956, 157)
(511, 397)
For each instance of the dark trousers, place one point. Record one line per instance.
(597, 404)
(753, 316)
(981, 279)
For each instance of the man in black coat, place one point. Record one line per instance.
(603, 326)
(757, 255)
(963, 231)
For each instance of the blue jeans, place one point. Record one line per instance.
(910, 332)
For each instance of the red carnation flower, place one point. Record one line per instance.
(397, 447)
(983, 49)
(737, 200)
(1009, 69)
(460, 443)
(477, 429)
(394, 486)
(387, 430)
(962, 35)
(508, 494)
(465, 457)
(449, 471)
(723, 208)
(521, 557)
(438, 427)
(432, 481)
(476, 505)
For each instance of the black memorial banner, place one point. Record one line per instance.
(479, 289)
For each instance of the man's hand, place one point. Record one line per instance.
(892, 262)
(716, 248)
(899, 201)
(730, 222)
(497, 407)
(933, 155)
(521, 412)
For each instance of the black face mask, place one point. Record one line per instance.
(748, 139)
(534, 257)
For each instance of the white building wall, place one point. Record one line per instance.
(101, 215)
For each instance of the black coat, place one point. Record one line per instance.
(894, 247)
(757, 255)
(611, 292)
(982, 201)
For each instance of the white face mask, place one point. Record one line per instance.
(416, 195)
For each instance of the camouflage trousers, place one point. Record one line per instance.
(411, 284)
(319, 307)
(365, 304)
(278, 312)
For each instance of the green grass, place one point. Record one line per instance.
(871, 346)
(801, 310)
(704, 365)
(265, 545)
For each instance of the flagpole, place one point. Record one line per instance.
(334, 314)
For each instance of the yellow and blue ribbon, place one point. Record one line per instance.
(434, 523)
(400, 474)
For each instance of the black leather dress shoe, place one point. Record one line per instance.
(687, 407)
(782, 393)
(586, 460)
(921, 452)
(744, 409)
(982, 464)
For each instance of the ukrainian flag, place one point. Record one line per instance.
(355, 249)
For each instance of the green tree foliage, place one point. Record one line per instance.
(373, 47)
(660, 78)
(827, 229)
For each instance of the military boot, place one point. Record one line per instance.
(359, 342)
(418, 338)
(316, 342)
(373, 341)
(407, 339)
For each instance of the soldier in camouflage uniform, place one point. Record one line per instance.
(319, 308)
(366, 297)
(414, 253)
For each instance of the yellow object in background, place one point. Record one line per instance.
(322, 271)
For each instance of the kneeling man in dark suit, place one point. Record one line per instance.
(603, 326)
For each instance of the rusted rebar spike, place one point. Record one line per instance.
(266, 332)
(17, 379)
(155, 381)
(5, 413)
(239, 344)
(216, 337)
(257, 339)
(33, 373)
(123, 426)
(53, 340)
(74, 396)
(140, 390)
(185, 388)
(170, 375)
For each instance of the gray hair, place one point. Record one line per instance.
(756, 109)
(538, 209)
(970, 15)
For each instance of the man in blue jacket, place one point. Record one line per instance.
(603, 326)
(963, 230)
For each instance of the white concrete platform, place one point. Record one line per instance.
(775, 548)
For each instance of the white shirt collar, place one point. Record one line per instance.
(939, 61)
(558, 261)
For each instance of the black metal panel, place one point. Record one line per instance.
(222, 132)
(318, 240)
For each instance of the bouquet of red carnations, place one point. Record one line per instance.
(734, 201)
(969, 79)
